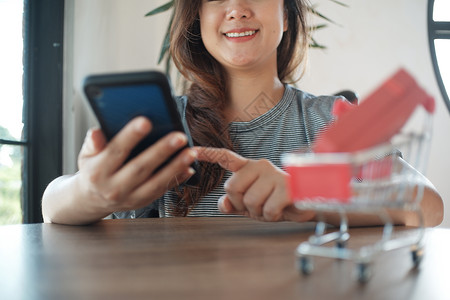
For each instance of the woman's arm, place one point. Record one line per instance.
(63, 202)
(430, 204)
(104, 184)
(258, 189)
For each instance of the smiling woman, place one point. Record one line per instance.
(246, 43)
(323, 22)
(256, 185)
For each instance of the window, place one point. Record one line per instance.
(11, 102)
(439, 38)
(30, 105)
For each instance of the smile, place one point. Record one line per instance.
(240, 34)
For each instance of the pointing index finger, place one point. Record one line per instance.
(227, 159)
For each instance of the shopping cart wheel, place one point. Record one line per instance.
(416, 255)
(342, 240)
(305, 265)
(364, 272)
(341, 244)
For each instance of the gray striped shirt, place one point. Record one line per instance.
(291, 124)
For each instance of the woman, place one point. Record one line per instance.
(238, 56)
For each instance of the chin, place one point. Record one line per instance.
(241, 62)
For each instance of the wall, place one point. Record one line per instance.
(372, 40)
(104, 36)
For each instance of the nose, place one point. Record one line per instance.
(237, 10)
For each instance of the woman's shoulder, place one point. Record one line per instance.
(310, 99)
(313, 103)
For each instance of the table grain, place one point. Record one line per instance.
(204, 258)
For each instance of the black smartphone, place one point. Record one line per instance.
(118, 98)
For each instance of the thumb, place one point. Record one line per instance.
(225, 206)
(94, 143)
(291, 213)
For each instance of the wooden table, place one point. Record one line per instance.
(204, 258)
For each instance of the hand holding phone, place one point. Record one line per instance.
(118, 98)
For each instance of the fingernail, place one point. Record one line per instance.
(223, 205)
(191, 171)
(185, 176)
(142, 125)
(88, 135)
(178, 140)
(191, 155)
(220, 205)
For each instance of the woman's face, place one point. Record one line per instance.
(243, 34)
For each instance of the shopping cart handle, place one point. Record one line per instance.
(342, 106)
(429, 104)
(378, 118)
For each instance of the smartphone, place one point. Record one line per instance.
(118, 98)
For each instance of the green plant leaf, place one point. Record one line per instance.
(315, 44)
(160, 9)
(339, 3)
(166, 43)
(315, 12)
(164, 49)
(317, 27)
(168, 65)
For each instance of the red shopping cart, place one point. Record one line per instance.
(371, 177)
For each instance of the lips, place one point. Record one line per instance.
(240, 34)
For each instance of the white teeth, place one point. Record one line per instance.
(240, 34)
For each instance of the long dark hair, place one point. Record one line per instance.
(208, 85)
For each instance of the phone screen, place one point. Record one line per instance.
(119, 104)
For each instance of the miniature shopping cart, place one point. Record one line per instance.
(369, 181)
